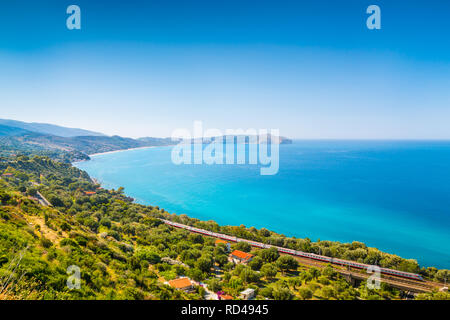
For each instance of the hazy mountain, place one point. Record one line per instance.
(261, 139)
(70, 144)
(11, 131)
(84, 144)
(157, 141)
(51, 129)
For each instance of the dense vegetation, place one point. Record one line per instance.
(72, 148)
(11, 146)
(61, 143)
(125, 252)
(70, 144)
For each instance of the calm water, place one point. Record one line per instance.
(391, 195)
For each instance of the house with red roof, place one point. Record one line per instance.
(238, 256)
(225, 297)
(184, 284)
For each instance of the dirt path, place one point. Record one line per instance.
(48, 233)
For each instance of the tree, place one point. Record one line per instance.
(148, 255)
(201, 291)
(329, 272)
(221, 260)
(285, 263)
(4, 197)
(195, 274)
(434, 296)
(179, 270)
(32, 192)
(313, 273)
(264, 232)
(282, 293)
(269, 255)
(328, 292)
(243, 246)
(323, 280)
(268, 270)
(56, 201)
(227, 276)
(266, 292)
(204, 264)
(256, 263)
(235, 284)
(443, 275)
(195, 238)
(214, 285)
(46, 243)
(248, 276)
(294, 282)
(305, 293)
(105, 222)
(220, 249)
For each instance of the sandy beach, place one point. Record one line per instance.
(107, 152)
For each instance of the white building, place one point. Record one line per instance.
(247, 294)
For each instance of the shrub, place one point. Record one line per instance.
(46, 243)
(148, 255)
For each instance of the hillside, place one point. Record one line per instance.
(65, 144)
(125, 252)
(49, 129)
(11, 131)
(68, 144)
(85, 144)
(19, 144)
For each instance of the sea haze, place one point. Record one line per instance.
(393, 195)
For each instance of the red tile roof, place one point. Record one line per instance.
(220, 241)
(242, 255)
(180, 283)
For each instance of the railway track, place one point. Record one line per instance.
(399, 283)
(398, 279)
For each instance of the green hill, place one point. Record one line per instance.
(123, 250)
(11, 131)
(65, 144)
(49, 129)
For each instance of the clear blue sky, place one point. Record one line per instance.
(309, 68)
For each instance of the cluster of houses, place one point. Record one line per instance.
(237, 257)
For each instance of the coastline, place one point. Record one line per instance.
(289, 235)
(115, 151)
(279, 227)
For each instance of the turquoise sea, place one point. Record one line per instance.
(393, 195)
